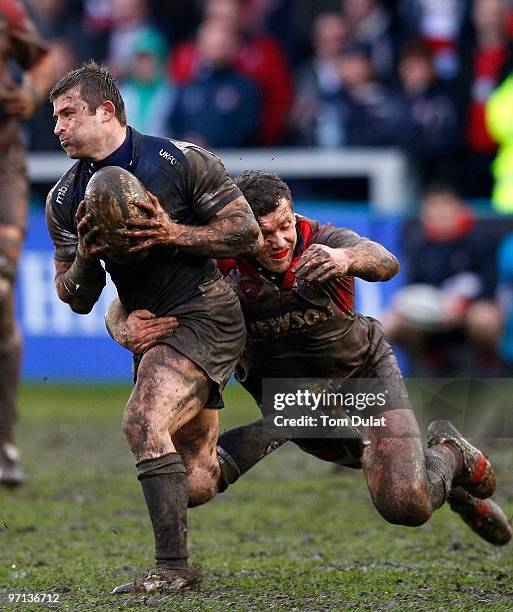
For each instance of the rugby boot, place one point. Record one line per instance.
(161, 580)
(477, 477)
(483, 516)
(11, 474)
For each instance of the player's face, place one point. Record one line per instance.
(280, 237)
(78, 129)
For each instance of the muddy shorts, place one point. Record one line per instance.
(380, 362)
(347, 452)
(211, 334)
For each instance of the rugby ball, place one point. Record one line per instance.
(422, 306)
(110, 198)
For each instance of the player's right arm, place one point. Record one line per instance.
(339, 252)
(79, 275)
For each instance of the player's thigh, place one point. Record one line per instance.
(395, 468)
(169, 392)
(394, 451)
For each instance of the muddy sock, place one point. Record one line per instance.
(164, 484)
(457, 456)
(442, 467)
(239, 449)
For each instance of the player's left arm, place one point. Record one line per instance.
(346, 254)
(230, 232)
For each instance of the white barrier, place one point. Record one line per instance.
(391, 184)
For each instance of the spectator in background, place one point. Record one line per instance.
(445, 254)
(319, 80)
(369, 24)
(96, 24)
(368, 110)
(303, 14)
(429, 126)
(273, 17)
(439, 25)
(257, 56)
(177, 19)
(219, 107)
(148, 95)
(483, 56)
(56, 19)
(128, 19)
(39, 128)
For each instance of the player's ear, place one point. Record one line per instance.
(107, 110)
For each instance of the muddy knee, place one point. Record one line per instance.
(135, 431)
(404, 504)
(203, 477)
(146, 437)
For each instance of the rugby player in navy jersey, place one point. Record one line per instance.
(297, 296)
(196, 213)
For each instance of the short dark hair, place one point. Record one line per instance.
(96, 84)
(417, 49)
(441, 188)
(263, 190)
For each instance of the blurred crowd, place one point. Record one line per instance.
(431, 77)
(413, 74)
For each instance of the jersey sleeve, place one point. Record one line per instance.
(26, 46)
(208, 185)
(62, 229)
(335, 237)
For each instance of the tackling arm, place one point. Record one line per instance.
(139, 330)
(371, 261)
(365, 259)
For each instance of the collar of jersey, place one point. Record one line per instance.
(122, 156)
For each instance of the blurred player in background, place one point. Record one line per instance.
(19, 42)
(448, 305)
(204, 215)
(297, 296)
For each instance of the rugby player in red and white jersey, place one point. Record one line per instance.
(297, 297)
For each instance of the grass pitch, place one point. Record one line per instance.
(292, 535)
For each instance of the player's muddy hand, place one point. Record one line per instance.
(20, 102)
(158, 229)
(320, 263)
(144, 329)
(88, 249)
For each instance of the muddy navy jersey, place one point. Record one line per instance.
(191, 184)
(300, 329)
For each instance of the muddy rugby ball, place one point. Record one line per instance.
(110, 199)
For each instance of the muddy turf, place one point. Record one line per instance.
(293, 535)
